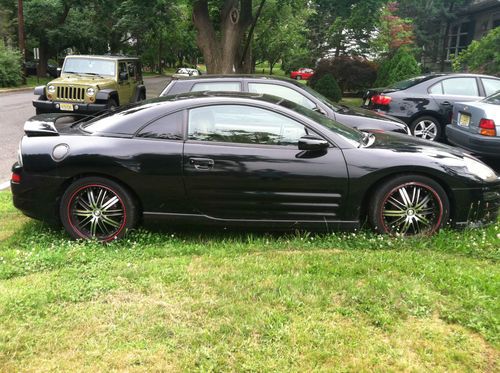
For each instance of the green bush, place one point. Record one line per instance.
(351, 73)
(328, 87)
(400, 67)
(482, 56)
(10, 67)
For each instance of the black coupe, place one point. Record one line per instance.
(245, 160)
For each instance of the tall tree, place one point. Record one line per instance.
(222, 27)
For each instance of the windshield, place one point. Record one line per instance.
(355, 137)
(319, 96)
(493, 99)
(92, 66)
(411, 82)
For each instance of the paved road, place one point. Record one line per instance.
(16, 108)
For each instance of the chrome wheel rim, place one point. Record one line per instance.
(426, 129)
(96, 211)
(412, 209)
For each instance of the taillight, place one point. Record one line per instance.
(381, 100)
(487, 127)
(15, 178)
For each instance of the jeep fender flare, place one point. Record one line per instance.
(106, 94)
(39, 90)
(139, 89)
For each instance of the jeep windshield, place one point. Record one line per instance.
(90, 66)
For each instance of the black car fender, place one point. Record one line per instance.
(39, 91)
(139, 89)
(106, 94)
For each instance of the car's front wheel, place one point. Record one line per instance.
(97, 208)
(298, 77)
(427, 128)
(409, 205)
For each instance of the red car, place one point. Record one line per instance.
(302, 73)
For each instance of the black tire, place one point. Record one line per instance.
(112, 104)
(426, 127)
(97, 208)
(142, 96)
(298, 77)
(409, 205)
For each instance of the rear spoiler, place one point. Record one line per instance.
(45, 124)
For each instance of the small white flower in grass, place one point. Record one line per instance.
(498, 235)
(129, 264)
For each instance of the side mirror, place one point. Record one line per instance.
(58, 72)
(312, 143)
(123, 76)
(319, 110)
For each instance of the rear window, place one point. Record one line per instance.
(404, 84)
(124, 120)
(493, 99)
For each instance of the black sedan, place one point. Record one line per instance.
(425, 103)
(362, 119)
(241, 160)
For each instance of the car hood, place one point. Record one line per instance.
(409, 144)
(83, 80)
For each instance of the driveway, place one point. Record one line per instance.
(16, 108)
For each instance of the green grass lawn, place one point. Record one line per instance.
(193, 300)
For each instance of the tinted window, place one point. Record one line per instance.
(491, 85)
(219, 86)
(460, 87)
(280, 91)
(404, 84)
(131, 69)
(243, 124)
(168, 127)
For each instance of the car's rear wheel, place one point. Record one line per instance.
(409, 205)
(426, 128)
(97, 208)
(298, 77)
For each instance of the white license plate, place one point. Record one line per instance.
(66, 107)
(464, 119)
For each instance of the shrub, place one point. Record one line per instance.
(481, 56)
(352, 73)
(401, 66)
(328, 87)
(10, 67)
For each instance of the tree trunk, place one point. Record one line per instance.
(221, 52)
(41, 69)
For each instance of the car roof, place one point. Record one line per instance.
(105, 57)
(240, 77)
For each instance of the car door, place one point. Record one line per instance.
(242, 162)
(125, 86)
(454, 89)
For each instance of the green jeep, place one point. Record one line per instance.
(89, 84)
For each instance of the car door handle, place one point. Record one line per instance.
(202, 163)
(446, 103)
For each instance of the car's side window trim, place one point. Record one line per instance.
(307, 128)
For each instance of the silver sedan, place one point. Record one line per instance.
(475, 126)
